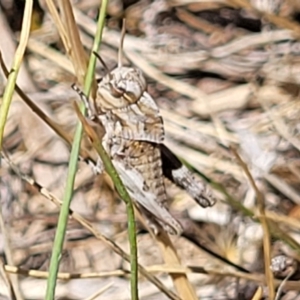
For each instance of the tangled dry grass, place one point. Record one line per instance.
(225, 74)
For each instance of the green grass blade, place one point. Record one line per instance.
(13, 74)
(4, 109)
(109, 167)
(64, 212)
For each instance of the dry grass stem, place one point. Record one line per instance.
(264, 223)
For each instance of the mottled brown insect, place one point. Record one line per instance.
(134, 140)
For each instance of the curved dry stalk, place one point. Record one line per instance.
(264, 223)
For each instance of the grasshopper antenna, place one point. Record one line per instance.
(120, 53)
(103, 63)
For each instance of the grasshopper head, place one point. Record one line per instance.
(120, 88)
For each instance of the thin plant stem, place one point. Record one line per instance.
(109, 167)
(4, 109)
(68, 193)
(264, 223)
(13, 74)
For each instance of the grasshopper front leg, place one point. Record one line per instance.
(93, 121)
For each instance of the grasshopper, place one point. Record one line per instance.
(134, 136)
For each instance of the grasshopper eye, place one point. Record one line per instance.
(116, 92)
(133, 91)
(131, 97)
